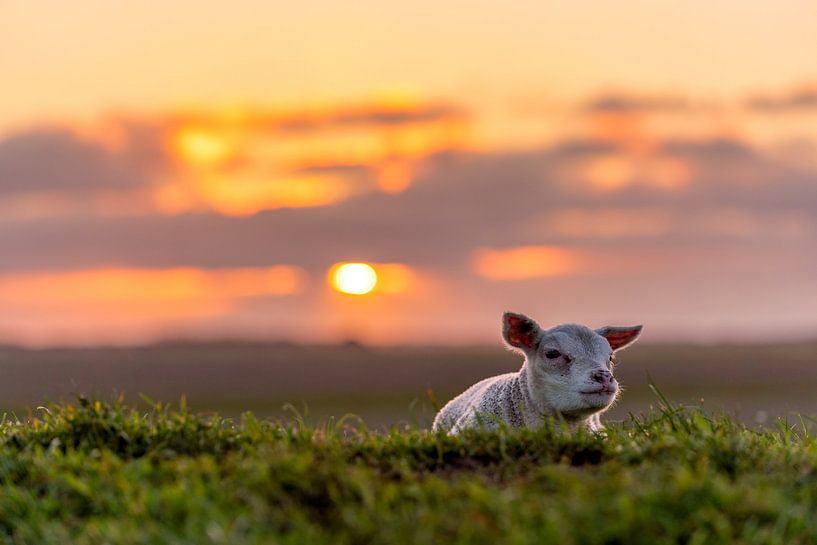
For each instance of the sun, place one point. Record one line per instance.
(353, 278)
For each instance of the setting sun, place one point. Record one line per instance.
(353, 278)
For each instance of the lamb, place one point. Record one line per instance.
(567, 373)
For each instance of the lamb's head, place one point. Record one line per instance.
(569, 368)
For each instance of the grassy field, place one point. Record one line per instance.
(95, 473)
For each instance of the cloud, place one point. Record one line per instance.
(243, 161)
(364, 116)
(567, 227)
(523, 262)
(462, 202)
(479, 232)
(799, 100)
(235, 162)
(56, 160)
(134, 305)
(624, 103)
(720, 150)
(371, 115)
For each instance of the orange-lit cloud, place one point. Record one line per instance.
(635, 155)
(611, 172)
(614, 172)
(238, 195)
(396, 278)
(202, 148)
(132, 305)
(237, 161)
(253, 160)
(394, 176)
(137, 293)
(523, 263)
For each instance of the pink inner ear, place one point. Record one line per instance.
(514, 321)
(520, 332)
(617, 339)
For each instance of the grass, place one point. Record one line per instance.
(94, 473)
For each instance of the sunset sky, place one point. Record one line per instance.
(199, 170)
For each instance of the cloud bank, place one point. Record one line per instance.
(621, 224)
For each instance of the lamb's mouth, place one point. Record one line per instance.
(600, 391)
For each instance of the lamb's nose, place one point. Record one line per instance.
(602, 376)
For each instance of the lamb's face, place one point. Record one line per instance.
(569, 367)
(572, 367)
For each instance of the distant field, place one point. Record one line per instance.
(387, 386)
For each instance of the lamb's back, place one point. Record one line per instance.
(486, 402)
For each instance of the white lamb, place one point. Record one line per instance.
(567, 373)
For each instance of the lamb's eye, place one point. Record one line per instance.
(552, 354)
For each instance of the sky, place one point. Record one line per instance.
(189, 170)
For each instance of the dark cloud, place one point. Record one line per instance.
(716, 149)
(367, 116)
(351, 169)
(582, 148)
(52, 159)
(730, 173)
(620, 103)
(797, 101)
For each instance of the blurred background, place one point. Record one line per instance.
(331, 203)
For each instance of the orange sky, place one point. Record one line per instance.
(180, 169)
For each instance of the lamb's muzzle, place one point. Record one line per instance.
(567, 373)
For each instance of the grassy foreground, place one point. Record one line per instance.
(93, 473)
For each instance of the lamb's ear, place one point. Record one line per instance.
(519, 331)
(620, 337)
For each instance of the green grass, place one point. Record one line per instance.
(94, 473)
